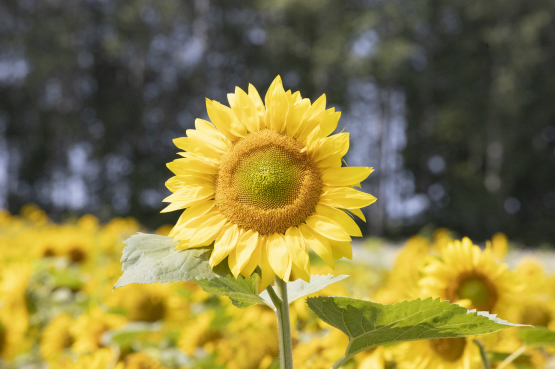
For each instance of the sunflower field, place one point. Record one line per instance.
(58, 309)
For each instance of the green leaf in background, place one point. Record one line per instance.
(537, 336)
(300, 288)
(369, 324)
(152, 258)
(242, 292)
(129, 333)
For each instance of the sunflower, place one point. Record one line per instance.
(465, 274)
(441, 353)
(56, 337)
(265, 182)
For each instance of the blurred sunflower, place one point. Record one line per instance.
(89, 328)
(56, 337)
(140, 360)
(464, 274)
(442, 353)
(266, 181)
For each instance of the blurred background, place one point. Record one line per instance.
(452, 102)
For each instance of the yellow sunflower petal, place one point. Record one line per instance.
(207, 133)
(346, 198)
(268, 273)
(329, 122)
(207, 231)
(277, 106)
(191, 193)
(253, 262)
(277, 254)
(196, 146)
(345, 176)
(225, 120)
(197, 179)
(327, 228)
(295, 115)
(299, 272)
(245, 247)
(358, 213)
(339, 217)
(191, 214)
(332, 146)
(189, 229)
(319, 244)
(298, 252)
(232, 263)
(255, 97)
(225, 242)
(246, 110)
(182, 166)
(341, 249)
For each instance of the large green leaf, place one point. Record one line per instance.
(152, 258)
(300, 288)
(540, 336)
(369, 324)
(242, 292)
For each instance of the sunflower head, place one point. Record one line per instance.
(463, 273)
(264, 181)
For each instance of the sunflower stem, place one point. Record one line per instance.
(483, 354)
(280, 300)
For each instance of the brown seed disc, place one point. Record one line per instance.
(265, 183)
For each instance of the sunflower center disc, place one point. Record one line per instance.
(450, 349)
(265, 183)
(268, 178)
(479, 290)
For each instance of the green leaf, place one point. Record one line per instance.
(152, 258)
(537, 336)
(300, 288)
(242, 292)
(369, 324)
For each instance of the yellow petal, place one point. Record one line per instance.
(329, 122)
(327, 228)
(253, 262)
(298, 252)
(310, 125)
(301, 273)
(246, 110)
(255, 97)
(245, 247)
(277, 106)
(215, 161)
(346, 198)
(189, 229)
(191, 214)
(183, 166)
(205, 131)
(195, 179)
(232, 263)
(358, 213)
(288, 271)
(332, 146)
(225, 120)
(231, 99)
(295, 114)
(339, 217)
(319, 244)
(345, 176)
(225, 242)
(197, 146)
(341, 249)
(277, 254)
(191, 193)
(268, 273)
(207, 231)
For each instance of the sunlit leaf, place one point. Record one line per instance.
(369, 324)
(540, 336)
(152, 258)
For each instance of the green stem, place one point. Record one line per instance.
(341, 361)
(483, 354)
(284, 327)
(512, 357)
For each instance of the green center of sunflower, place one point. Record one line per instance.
(450, 349)
(268, 178)
(478, 290)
